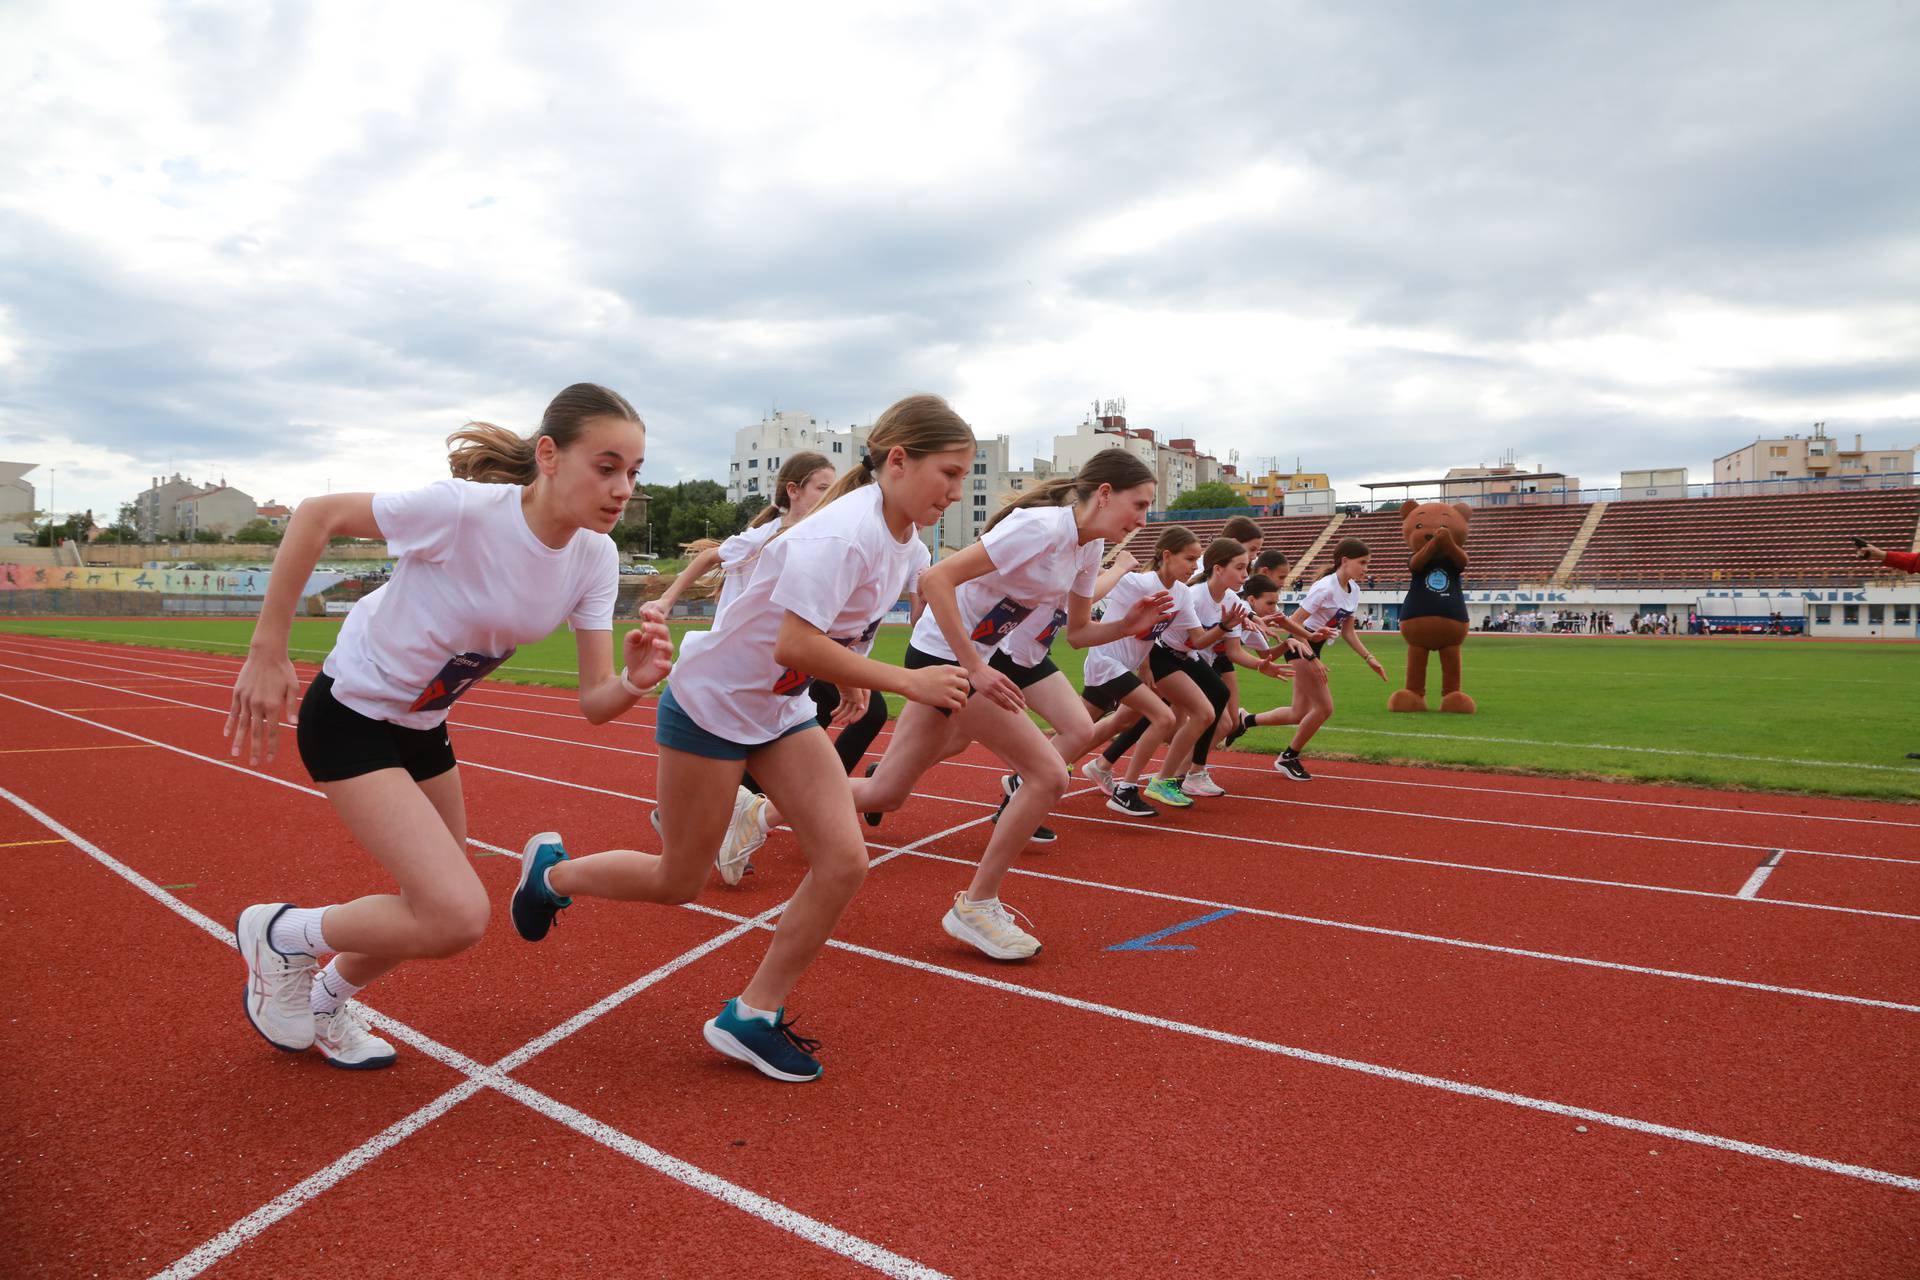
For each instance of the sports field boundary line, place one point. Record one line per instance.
(1388, 733)
(535, 692)
(1398, 1075)
(1185, 832)
(1536, 827)
(1270, 913)
(495, 1076)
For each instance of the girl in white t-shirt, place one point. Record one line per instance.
(497, 557)
(1111, 669)
(1039, 553)
(1216, 601)
(809, 612)
(1326, 610)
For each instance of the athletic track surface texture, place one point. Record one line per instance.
(1396, 1022)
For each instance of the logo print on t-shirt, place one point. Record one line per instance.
(1437, 580)
(1000, 622)
(792, 682)
(454, 679)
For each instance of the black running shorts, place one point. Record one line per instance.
(337, 742)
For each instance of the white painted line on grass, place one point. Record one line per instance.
(1442, 1083)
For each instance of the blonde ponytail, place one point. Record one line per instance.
(488, 454)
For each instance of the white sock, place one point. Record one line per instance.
(330, 990)
(547, 884)
(297, 932)
(745, 1010)
(983, 903)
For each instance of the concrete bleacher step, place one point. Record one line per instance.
(1579, 544)
(1306, 558)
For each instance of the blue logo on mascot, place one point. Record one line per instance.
(1437, 580)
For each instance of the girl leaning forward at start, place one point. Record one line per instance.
(1326, 610)
(804, 479)
(811, 610)
(497, 557)
(1039, 552)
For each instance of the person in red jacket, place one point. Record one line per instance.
(1904, 561)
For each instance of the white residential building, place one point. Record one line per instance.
(993, 478)
(759, 450)
(1178, 465)
(16, 500)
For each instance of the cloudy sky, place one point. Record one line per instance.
(295, 244)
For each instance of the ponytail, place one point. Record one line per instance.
(1115, 468)
(488, 454)
(795, 472)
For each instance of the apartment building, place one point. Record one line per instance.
(759, 450)
(1815, 457)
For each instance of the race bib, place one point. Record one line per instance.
(1000, 622)
(455, 679)
(1052, 628)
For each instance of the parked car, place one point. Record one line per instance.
(640, 570)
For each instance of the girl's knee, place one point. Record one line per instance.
(450, 927)
(841, 871)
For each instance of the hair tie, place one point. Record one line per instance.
(866, 462)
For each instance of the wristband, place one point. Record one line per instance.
(628, 684)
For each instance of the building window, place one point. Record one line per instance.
(1876, 615)
(1777, 475)
(980, 500)
(1777, 451)
(836, 446)
(753, 463)
(753, 485)
(979, 468)
(979, 484)
(1903, 615)
(1850, 615)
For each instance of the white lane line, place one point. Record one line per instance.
(1614, 746)
(1188, 833)
(1766, 814)
(1442, 1083)
(1759, 877)
(1436, 939)
(495, 1077)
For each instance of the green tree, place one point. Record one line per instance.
(207, 535)
(258, 530)
(1208, 497)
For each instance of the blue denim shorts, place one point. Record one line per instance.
(676, 729)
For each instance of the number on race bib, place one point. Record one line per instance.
(459, 675)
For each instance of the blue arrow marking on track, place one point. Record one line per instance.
(1146, 943)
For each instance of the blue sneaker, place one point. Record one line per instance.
(534, 905)
(771, 1048)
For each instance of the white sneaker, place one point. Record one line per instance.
(747, 832)
(343, 1037)
(1199, 782)
(990, 929)
(1101, 772)
(278, 985)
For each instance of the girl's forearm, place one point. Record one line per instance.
(293, 564)
(824, 659)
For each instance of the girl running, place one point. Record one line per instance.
(803, 480)
(1326, 610)
(810, 612)
(1041, 550)
(1175, 556)
(1216, 604)
(496, 557)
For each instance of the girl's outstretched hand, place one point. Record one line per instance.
(647, 651)
(853, 705)
(1147, 611)
(265, 694)
(1378, 670)
(997, 686)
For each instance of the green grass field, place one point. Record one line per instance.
(1801, 715)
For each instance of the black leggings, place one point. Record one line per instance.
(1210, 684)
(854, 739)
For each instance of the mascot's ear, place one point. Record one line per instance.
(1408, 505)
(1466, 512)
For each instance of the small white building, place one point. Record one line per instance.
(16, 501)
(759, 450)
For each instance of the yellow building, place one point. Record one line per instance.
(1275, 485)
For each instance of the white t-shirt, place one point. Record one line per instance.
(1037, 560)
(1117, 657)
(1034, 638)
(471, 583)
(1328, 604)
(737, 557)
(840, 570)
(1207, 612)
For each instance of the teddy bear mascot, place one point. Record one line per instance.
(1433, 617)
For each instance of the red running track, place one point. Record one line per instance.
(1452, 1025)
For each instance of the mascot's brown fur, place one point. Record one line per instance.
(1433, 617)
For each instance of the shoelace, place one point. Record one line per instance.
(348, 1023)
(794, 1038)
